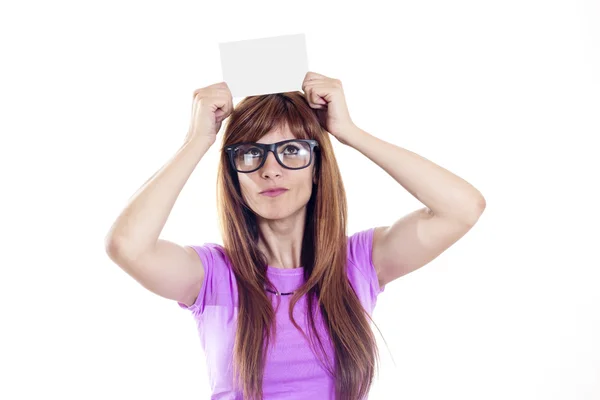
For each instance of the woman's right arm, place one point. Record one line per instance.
(163, 267)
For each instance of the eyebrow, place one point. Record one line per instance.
(276, 142)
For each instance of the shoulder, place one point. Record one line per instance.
(212, 252)
(217, 271)
(361, 271)
(213, 257)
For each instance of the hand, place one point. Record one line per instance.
(211, 105)
(327, 96)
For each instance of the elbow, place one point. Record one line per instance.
(476, 210)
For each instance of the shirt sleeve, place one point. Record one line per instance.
(361, 271)
(206, 255)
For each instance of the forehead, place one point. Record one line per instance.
(276, 135)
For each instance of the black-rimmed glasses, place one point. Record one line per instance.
(291, 154)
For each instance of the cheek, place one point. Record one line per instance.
(246, 189)
(305, 187)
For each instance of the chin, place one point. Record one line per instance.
(271, 214)
(274, 210)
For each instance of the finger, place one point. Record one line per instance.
(309, 97)
(228, 108)
(225, 107)
(316, 95)
(310, 79)
(313, 104)
(310, 75)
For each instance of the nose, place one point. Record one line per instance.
(271, 167)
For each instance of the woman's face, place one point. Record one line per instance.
(297, 182)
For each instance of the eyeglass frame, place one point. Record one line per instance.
(271, 148)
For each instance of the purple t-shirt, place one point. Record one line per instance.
(291, 370)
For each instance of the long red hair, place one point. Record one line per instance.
(323, 256)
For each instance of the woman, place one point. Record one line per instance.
(282, 210)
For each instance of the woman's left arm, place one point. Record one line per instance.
(453, 206)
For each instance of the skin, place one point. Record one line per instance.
(280, 219)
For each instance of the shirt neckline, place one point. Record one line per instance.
(282, 271)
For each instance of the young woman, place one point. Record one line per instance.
(283, 306)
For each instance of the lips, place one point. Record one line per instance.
(274, 189)
(274, 192)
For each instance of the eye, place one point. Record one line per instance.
(291, 149)
(254, 151)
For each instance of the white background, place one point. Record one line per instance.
(96, 96)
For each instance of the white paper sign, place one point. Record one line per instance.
(266, 65)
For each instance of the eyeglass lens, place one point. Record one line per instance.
(292, 154)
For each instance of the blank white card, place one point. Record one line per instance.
(266, 65)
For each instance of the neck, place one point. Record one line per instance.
(281, 240)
